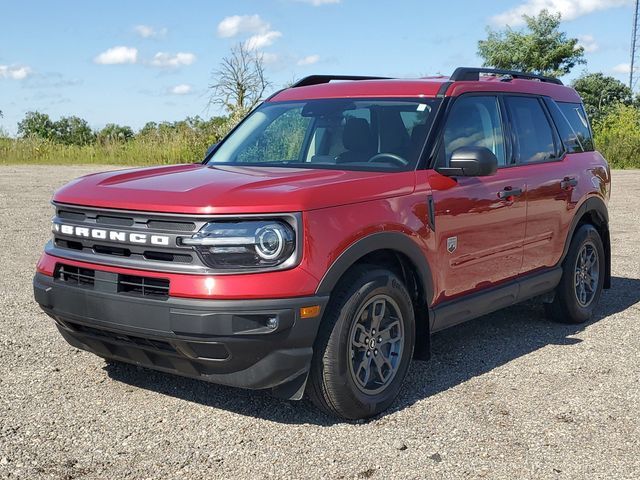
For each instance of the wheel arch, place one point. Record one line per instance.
(403, 256)
(593, 211)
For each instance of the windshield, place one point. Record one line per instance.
(331, 133)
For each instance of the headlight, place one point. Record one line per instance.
(244, 244)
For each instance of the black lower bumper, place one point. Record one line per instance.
(231, 342)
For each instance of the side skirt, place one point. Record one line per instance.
(475, 305)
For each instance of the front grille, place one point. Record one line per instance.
(163, 225)
(143, 286)
(168, 257)
(125, 252)
(72, 215)
(69, 244)
(81, 277)
(129, 239)
(109, 250)
(116, 221)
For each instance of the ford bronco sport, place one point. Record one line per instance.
(339, 225)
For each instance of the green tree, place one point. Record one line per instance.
(115, 133)
(36, 124)
(150, 128)
(540, 48)
(600, 92)
(617, 136)
(73, 131)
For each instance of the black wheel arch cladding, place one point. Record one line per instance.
(593, 211)
(392, 241)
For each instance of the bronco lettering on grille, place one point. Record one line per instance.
(111, 235)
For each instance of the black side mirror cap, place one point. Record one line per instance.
(471, 162)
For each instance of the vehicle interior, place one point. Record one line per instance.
(336, 132)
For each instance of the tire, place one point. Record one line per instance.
(573, 304)
(346, 347)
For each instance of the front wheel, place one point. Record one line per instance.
(364, 345)
(580, 287)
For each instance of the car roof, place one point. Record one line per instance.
(428, 87)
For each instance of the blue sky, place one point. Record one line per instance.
(130, 62)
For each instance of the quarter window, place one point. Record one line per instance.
(533, 136)
(577, 118)
(474, 121)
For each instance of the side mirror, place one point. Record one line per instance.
(471, 162)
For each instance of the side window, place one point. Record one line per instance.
(532, 133)
(474, 121)
(570, 138)
(577, 118)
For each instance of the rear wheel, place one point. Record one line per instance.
(364, 345)
(579, 290)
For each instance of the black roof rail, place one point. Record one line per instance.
(473, 74)
(319, 79)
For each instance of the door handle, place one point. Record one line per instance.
(509, 192)
(568, 183)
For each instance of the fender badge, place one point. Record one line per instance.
(452, 244)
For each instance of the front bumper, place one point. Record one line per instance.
(221, 341)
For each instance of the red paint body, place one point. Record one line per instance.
(498, 239)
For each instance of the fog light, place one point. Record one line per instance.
(272, 323)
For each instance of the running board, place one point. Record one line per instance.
(481, 303)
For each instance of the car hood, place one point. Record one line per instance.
(201, 189)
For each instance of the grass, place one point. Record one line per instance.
(152, 150)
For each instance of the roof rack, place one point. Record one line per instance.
(473, 74)
(319, 79)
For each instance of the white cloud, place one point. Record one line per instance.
(622, 68)
(14, 72)
(570, 9)
(117, 55)
(261, 33)
(317, 3)
(237, 24)
(145, 31)
(588, 42)
(182, 89)
(261, 40)
(309, 60)
(168, 60)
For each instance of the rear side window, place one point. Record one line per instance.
(533, 135)
(577, 118)
(569, 137)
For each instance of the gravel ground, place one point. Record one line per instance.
(509, 395)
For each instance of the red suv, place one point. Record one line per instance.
(340, 224)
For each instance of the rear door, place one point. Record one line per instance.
(479, 221)
(550, 175)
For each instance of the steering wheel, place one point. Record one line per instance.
(384, 157)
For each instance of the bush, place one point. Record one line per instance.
(617, 136)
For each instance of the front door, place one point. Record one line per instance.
(479, 221)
